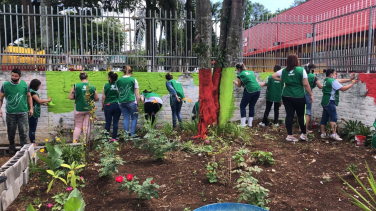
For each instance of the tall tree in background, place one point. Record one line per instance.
(208, 92)
(229, 48)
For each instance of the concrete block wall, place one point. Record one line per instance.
(354, 104)
(17, 172)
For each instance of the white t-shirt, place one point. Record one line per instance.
(135, 85)
(151, 99)
(335, 86)
(280, 73)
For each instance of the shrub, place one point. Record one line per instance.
(144, 191)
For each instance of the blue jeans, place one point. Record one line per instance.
(112, 113)
(251, 99)
(175, 108)
(33, 122)
(329, 111)
(308, 105)
(129, 110)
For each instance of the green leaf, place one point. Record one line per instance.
(63, 180)
(80, 166)
(73, 204)
(30, 208)
(48, 161)
(65, 166)
(50, 185)
(51, 172)
(77, 194)
(73, 180)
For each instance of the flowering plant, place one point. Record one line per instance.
(144, 191)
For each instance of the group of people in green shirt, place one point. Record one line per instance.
(292, 86)
(22, 109)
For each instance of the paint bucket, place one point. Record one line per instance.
(359, 140)
(314, 125)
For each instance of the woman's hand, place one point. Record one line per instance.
(49, 99)
(352, 76)
(311, 98)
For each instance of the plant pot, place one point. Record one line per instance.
(314, 125)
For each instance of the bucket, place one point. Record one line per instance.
(359, 140)
(314, 125)
(229, 207)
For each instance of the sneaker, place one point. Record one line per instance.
(291, 138)
(336, 137)
(303, 137)
(113, 140)
(3, 179)
(323, 136)
(135, 137)
(276, 125)
(242, 125)
(262, 124)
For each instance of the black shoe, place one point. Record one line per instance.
(3, 179)
(12, 148)
(135, 137)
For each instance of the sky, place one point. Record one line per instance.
(271, 5)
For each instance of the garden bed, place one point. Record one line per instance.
(304, 177)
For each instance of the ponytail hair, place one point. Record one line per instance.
(292, 62)
(127, 70)
(169, 76)
(113, 76)
(240, 66)
(328, 72)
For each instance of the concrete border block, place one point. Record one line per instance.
(24, 161)
(16, 187)
(11, 177)
(7, 198)
(26, 176)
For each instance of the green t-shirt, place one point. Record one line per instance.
(36, 105)
(249, 81)
(80, 92)
(197, 107)
(293, 82)
(327, 92)
(126, 86)
(150, 94)
(178, 88)
(311, 80)
(111, 92)
(16, 96)
(274, 90)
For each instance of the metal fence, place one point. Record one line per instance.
(36, 38)
(343, 39)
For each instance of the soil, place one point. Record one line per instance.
(5, 158)
(304, 177)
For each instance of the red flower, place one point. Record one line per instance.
(152, 182)
(129, 177)
(119, 179)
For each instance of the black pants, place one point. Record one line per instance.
(151, 110)
(269, 105)
(291, 105)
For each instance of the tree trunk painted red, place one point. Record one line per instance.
(208, 98)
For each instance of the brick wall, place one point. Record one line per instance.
(353, 105)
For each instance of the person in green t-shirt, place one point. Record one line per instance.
(330, 100)
(176, 98)
(18, 97)
(129, 96)
(295, 79)
(195, 111)
(273, 95)
(82, 111)
(152, 104)
(313, 82)
(110, 104)
(37, 102)
(251, 94)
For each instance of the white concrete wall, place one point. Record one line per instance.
(353, 105)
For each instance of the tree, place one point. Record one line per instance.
(208, 96)
(229, 49)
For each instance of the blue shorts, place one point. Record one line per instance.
(308, 105)
(329, 111)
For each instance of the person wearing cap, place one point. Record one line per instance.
(273, 96)
(82, 111)
(152, 104)
(330, 100)
(251, 94)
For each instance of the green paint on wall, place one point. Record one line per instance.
(59, 85)
(195, 79)
(265, 75)
(226, 97)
